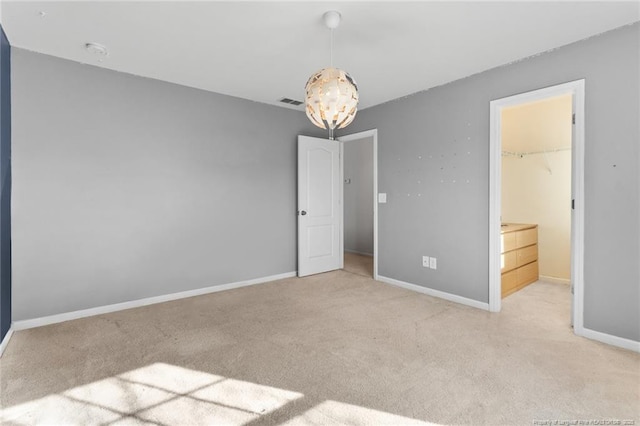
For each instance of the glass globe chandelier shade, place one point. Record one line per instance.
(331, 99)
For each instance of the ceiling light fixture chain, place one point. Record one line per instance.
(331, 100)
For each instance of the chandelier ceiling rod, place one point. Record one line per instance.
(332, 20)
(331, 49)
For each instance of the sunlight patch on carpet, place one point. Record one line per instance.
(160, 394)
(339, 413)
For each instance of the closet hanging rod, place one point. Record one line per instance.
(522, 154)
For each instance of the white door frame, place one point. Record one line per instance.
(373, 133)
(577, 90)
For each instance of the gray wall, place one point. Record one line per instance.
(358, 196)
(434, 164)
(126, 187)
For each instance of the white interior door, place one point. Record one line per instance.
(319, 206)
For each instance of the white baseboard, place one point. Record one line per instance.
(5, 341)
(361, 253)
(53, 319)
(554, 280)
(609, 339)
(435, 293)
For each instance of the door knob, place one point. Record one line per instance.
(303, 212)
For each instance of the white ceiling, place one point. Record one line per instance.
(264, 51)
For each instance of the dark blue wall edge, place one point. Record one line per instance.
(5, 189)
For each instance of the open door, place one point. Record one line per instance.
(319, 206)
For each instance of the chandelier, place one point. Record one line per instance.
(331, 100)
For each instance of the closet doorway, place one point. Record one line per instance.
(536, 194)
(359, 167)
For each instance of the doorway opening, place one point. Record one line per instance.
(536, 208)
(536, 195)
(359, 204)
(320, 213)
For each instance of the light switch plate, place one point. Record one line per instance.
(425, 261)
(382, 197)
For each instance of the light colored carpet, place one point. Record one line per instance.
(358, 264)
(335, 348)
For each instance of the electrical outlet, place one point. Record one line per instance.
(425, 261)
(433, 263)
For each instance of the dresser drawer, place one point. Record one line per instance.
(507, 241)
(508, 261)
(509, 281)
(526, 255)
(528, 273)
(526, 237)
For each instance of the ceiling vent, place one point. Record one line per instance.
(290, 101)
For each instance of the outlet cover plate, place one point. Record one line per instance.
(433, 263)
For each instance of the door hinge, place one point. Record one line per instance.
(573, 204)
(573, 118)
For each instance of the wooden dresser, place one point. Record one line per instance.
(519, 258)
